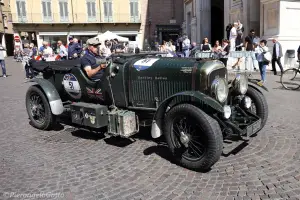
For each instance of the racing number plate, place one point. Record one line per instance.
(253, 128)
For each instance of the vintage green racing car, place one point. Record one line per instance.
(189, 101)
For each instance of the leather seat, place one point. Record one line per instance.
(82, 77)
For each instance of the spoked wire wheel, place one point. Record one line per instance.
(194, 138)
(188, 138)
(290, 80)
(37, 108)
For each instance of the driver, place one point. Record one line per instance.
(89, 60)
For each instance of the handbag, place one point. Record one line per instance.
(267, 56)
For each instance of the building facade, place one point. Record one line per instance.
(164, 20)
(203, 18)
(52, 20)
(6, 30)
(270, 19)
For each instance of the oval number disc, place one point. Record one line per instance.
(72, 86)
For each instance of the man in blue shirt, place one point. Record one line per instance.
(93, 69)
(74, 48)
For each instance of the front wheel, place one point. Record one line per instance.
(38, 109)
(289, 79)
(194, 138)
(259, 105)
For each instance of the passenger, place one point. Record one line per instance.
(93, 69)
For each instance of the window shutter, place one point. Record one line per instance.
(19, 8)
(93, 9)
(49, 9)
(105, 9)
(89, 8)
(136, 11)
(44, 9)
(66, 9)
(23, 11)
(131, 8)
(110, 9)
(61, 9)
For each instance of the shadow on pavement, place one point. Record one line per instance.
(88, 135)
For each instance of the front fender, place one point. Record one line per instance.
(253, 83)
(199, 97)
(52, 95)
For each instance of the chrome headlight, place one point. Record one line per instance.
(220, 89)
(240, 84)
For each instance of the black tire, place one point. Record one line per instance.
(260, 103)
(46, 122)
(288, 79)
(210, 136)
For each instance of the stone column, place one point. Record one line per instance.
(226, 16)
(205, 19)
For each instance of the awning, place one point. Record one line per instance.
(53, 33)
(126, 32)
(84, 33)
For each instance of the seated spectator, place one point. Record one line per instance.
(205, 46)
(217, 47)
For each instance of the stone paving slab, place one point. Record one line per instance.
(75, 164)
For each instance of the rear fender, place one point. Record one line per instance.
(198, 97)
(52, 95)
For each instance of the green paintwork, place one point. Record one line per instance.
(48, 89)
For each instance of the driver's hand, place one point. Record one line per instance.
(103, 66)
(75, 55)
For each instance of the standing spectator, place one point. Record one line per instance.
(27, 55)
(225, 51)
(46, 50)
(194, 48)
(186, 43)
(74, 48)
(233, 36)
(43, 47)
(117, 47)
(262, 49)
(34, 50)
(62, 51)
(249, 45)
(298, 53)
(228, 29)
(205, 46)
(277, 54)
(2, 61)
(240, 28)
(106, 49)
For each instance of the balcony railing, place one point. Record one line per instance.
(76, 18)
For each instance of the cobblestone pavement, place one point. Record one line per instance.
(80, 165)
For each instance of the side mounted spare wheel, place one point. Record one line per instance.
(194, 138)
(38, 108)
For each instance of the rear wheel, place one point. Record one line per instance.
(194, 138)
(289, 79)
(38, 108)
